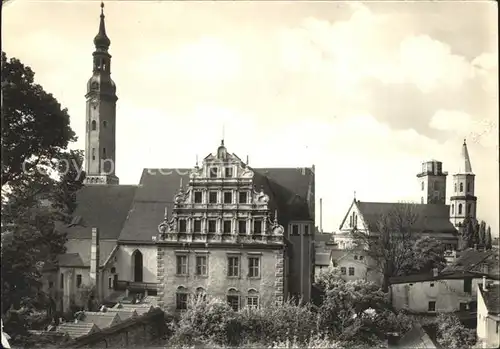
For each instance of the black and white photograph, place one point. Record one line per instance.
(250, 174)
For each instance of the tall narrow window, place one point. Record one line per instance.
(295, 229)
(226, 229)
(455, 187)
(93, 153)
(212, 225)
(213, 172)
(242, 197)
(62, 280)
(233, 299)
(432, 306)
(197, 197)
(459, 208)
(461, 187)
(468, 187)
(182, 265)
(351, 271)
(254, 267)
(242, 227)
(423, 186)
(257, 226)
(138, 265)
(78, 280)
(182, 226)
(197, 226)
(306, 229)
(452, 208)
(181, 298)
(229, 172)
(253, 299)
(94, 125)
(212, 197)
(104, 124)
(201, 265)
(104, 153)
(233, 266)
(469, 209)
(228, 197)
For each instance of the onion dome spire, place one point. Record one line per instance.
(101, 41)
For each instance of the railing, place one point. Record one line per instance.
(122, 285)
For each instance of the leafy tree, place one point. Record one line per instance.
(428, 253)
(451, 333)
(488, 240)
(390, 247)
(40, 179)
(359, 312)
(328, 278)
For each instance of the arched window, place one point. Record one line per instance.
(181, 297)
(253, 299)
(423, 185)
(137, 265)
(469, 209)
(201, 294)
(93, 153)
(94, 125)
(233, 299)
(461, 187)
(459, 208)
(452, 208)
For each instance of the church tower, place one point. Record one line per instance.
(100, 141)
(432, 182)
(463, 203)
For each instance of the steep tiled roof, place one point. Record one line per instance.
(75, 330)
(102, 206)
(124, 314)
(431, 217)
(101, 320)
(474, 261)
(416, 338)
(288, 189)
(492, 298)
(140, 308)
(70, 260)
(430, 277)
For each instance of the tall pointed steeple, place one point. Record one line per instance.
(465, 166)
(101, 41)
(100, 142)
(463, 202)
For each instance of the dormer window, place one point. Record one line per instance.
(213, 172)
(229, 172)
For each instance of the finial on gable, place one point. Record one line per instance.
(166, 213)
(196, 160)
(355, 195)
(276, 216)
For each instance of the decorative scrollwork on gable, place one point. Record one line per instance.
(260, 198)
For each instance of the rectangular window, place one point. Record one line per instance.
(78, 280)
(242, 197)
(295, 229)
(201, 265)
(257, 226)
(212, 197)
(361, 258)
(351, 271)
(242, 227)
(182, 265)
(233, 266)
(181, 300)
(432, 306)
(93, 153)
(62, 280)
(228, 197)
(110, 283)
(253, 302)
(468, 285)
(306, 229)
(197, 197)
(212, 225)
(355, 257)
(254, 267)
(197, 226)
(463, 306)
(234, 302)
(229, 172)
(432, 284)
(342, 270)
(213, 172)
(227, 227)
(182, 226)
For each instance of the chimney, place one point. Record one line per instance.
(321, 215)
(94, 261)
(435, 272)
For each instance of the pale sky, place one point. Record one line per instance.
(365, 91)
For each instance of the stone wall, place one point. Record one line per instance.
(147, 330)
